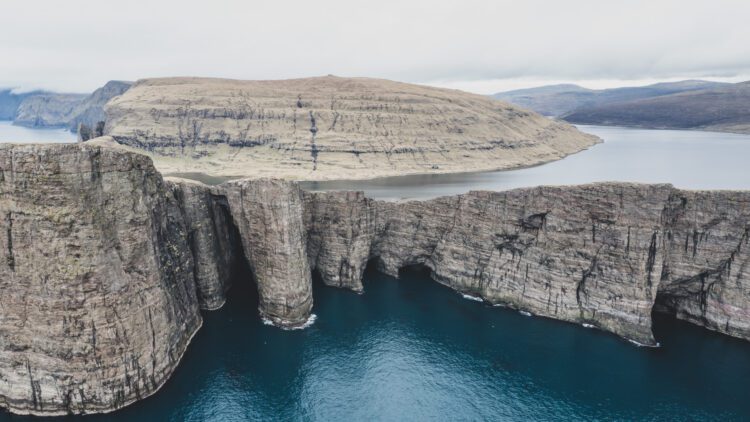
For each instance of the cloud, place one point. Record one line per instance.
(78, 45)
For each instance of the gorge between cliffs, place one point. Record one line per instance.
(107, 265)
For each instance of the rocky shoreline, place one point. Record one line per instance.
(108, 265)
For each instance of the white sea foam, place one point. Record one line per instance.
(470, 297)
(588, 325)
(644, 345)
(310, 321)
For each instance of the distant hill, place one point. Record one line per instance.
(10, 101)
(558, 100)
(723, 108)
(46, 109)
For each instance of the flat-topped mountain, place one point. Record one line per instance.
(725, 108)
(330, 127)
(558, 100)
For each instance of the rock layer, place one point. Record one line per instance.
(330, 128)
(268, 215)
(98, 300)
(601, 254)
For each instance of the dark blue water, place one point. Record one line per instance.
(410, 349)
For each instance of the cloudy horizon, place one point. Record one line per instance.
(477, 46)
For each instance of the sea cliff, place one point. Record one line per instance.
(107, 265)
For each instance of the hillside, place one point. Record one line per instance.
(45, 109)
(725, 108)
(330, 128)
(558, 100)
(10, 101)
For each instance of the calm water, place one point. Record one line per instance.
(23, 135)
(687, 159)
(411, 349)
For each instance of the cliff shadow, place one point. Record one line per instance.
(240, 280)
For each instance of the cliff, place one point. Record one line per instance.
(48, 110)
(98, 300)
(9, 102)
(107, 265)
(329, 128)
(45, 109)
(601, 255)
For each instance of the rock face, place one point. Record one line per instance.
(98, 300)
(268, 215)
(210, 237)
(602, 254)
(329, 128)
(46, 109)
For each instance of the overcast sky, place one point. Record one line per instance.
(481, 46)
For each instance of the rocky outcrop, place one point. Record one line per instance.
(601, 255)
(98, 300)
(329, 128)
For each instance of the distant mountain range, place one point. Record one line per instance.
(690, 104)
(48, 109)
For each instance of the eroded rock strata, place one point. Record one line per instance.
(106, 265)
(601, 254)
(98, 301)
(330, 128)
(268, 214)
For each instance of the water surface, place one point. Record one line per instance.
(686, 159)
(411, 349)
(23, 135)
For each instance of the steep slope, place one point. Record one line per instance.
(99, 299)
(604, 254)
(91, 109)
(725, 109)
(10, 101)
(48, 110)
(329, 127)
(558, 100)
(67, 110)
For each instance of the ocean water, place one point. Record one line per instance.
(24, 135)
(686, 159)
(409, 349)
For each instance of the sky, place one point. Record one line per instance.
(478, 46)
